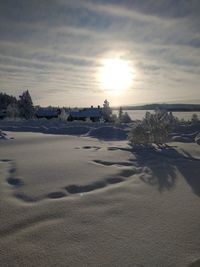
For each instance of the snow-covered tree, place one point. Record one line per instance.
(63, 115)
(154, 128)
(139, 134)
(125, 118)
(114, 118)
(194, 118)
(5, 100)
(106, 111)
(26, 105)
(12, 111)
(120, 113)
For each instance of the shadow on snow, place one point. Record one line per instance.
(160, 164)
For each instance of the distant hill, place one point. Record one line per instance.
(169, 107)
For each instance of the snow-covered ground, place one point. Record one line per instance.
(108, 131)
(71, 200)
(102, 131)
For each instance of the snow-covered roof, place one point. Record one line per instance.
(47, 112)
(86, 113)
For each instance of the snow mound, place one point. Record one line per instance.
(108, 133)
(96, 130)
(197, 139)
(71, 130)
(68, 130)
(2, 135)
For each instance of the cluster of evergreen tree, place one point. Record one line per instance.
(109, 117)
(13, 107)
(6, 100)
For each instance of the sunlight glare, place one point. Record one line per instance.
(116, 75)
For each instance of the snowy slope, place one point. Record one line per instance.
(77, 201)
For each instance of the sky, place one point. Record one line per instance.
(57, 49)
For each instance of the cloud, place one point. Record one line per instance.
(57, 46)
(161, 9)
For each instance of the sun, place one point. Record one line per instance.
(116, 75)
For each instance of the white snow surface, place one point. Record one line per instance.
(79, 201)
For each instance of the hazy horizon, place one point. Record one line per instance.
(78, 53)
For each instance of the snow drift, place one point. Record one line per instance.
(3, 135)
(197, 139)
(102, 131)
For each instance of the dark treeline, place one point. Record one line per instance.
(6, 100)
(10, 106)
(168, 107)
